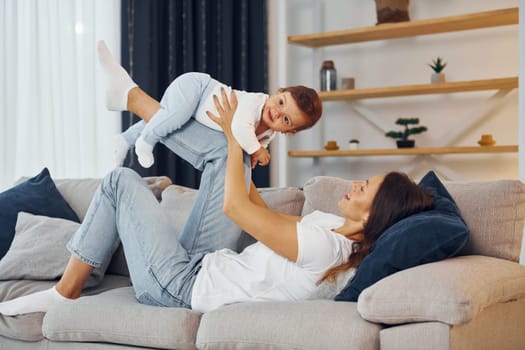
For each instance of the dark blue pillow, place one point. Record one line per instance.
(421, 238)
(38, 196)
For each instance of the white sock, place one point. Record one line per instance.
(119, 80)
(144, 152)
(120, 150)
(36, 302)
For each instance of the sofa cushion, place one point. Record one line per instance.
(78, 193)
(116, 317)
(428, 236)
(29, 327)
(38, 250)
(452, 291)
(494, 212)
(37, 195)
(315, 324)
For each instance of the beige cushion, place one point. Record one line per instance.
(323, 193)
(452, 291)
(494, 212)
(315, 324)
(116, 317)
(77, 193)
(29, 327)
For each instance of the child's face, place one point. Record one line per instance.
(280, 113)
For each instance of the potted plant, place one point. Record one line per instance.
(402, 136)
(353, 143)
(437, 66)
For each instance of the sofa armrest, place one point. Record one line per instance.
(452, 291)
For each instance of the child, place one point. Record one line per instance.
(258, 115)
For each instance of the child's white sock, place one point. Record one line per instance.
(36, 302)
(119, 80)
(120, 151)
(144, 152)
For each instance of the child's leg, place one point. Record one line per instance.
(178, 104)
(125, 140)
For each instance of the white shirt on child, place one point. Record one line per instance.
(246, 120)
(260, 274)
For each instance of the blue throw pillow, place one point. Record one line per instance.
(421, 238)
(38, 196)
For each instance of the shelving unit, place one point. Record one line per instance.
(412, 28)
(406, 151)
(421, 89)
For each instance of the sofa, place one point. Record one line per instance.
(473, 300)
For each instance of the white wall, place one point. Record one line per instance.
(471, 55)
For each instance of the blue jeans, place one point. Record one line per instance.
(162, 264)
(178, 104)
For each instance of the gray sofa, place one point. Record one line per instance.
(472, 301)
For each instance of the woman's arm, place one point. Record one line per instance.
(276, 231)
(256, 198)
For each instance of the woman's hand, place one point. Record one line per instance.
(226, 110)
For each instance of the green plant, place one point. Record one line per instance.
(403, 135)
(438, 65)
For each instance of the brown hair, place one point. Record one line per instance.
(397, 197)
(308, 102)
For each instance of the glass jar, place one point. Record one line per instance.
(328, 76)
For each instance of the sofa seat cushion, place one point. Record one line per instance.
(314, 324)
(117, 317)
(29, 327)
(452, 291)
(23, 327)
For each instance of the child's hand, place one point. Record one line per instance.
(261, 156)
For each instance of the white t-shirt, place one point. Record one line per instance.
(260, 274)
(246, 120)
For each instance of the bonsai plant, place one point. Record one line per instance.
(402, 136)
(437, 66)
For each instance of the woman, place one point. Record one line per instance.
(292, 256)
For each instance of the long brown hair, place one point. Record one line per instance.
(308, 102)
(397, 197)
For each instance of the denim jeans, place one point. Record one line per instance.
(162, 264)
(178, 104)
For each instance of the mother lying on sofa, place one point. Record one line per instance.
(196, 269)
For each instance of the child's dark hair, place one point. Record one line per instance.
(308, 102)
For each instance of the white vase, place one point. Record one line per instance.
(437, 78)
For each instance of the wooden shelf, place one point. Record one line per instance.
(421, 89)
(478, 20)
(406, 151)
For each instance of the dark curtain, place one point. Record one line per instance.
(162, 39)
